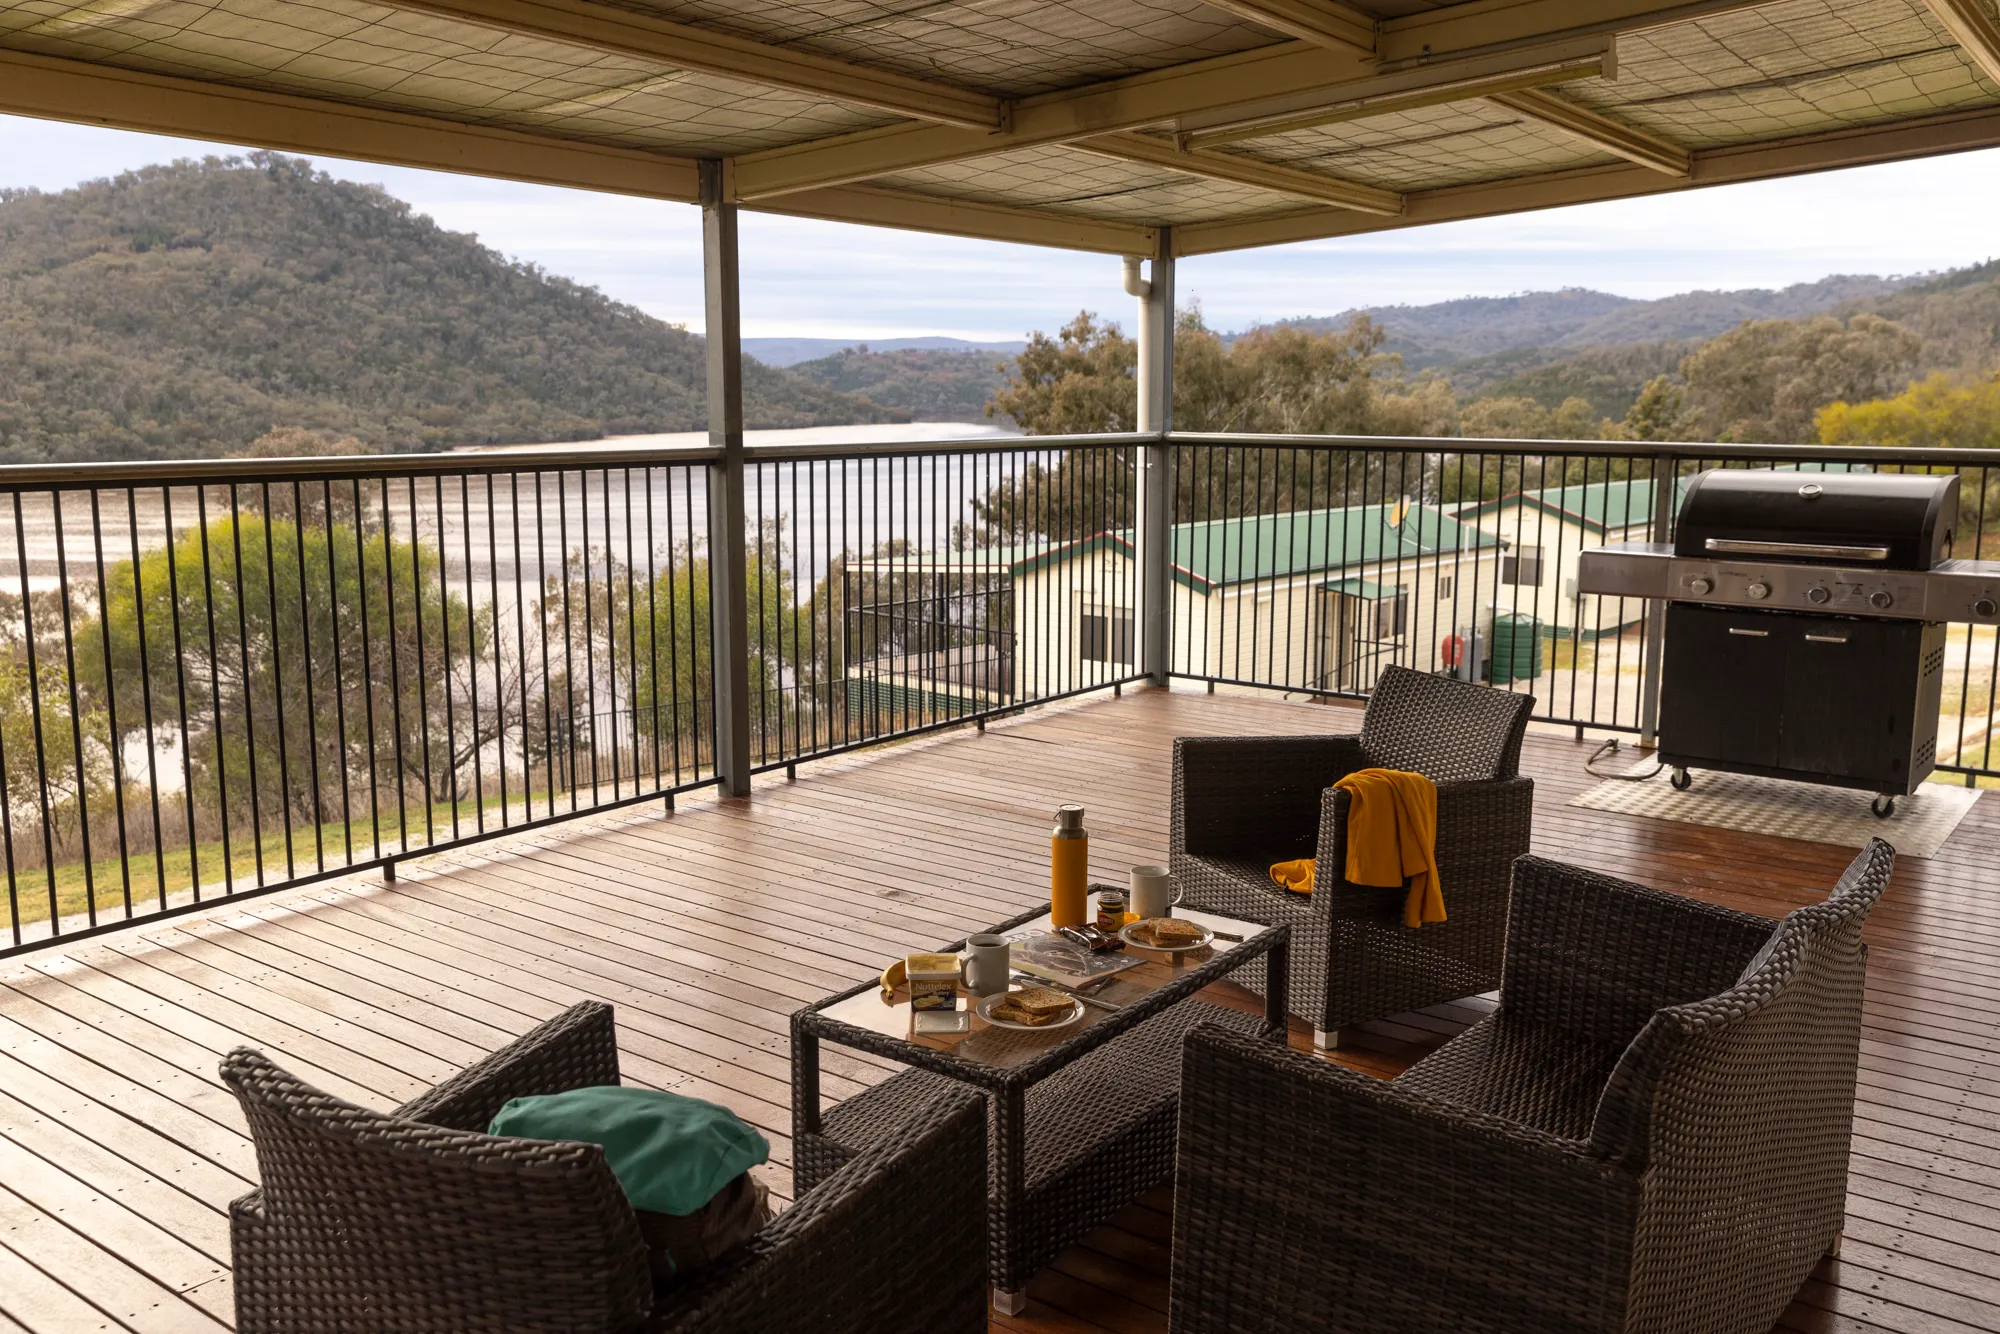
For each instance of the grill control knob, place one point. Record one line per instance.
(1985, 607)
(1758, 592)
(1699, 586)
(1817, 596)
(1880, 600)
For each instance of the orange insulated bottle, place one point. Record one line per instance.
(1069, 868)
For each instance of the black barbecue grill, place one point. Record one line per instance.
(1805, 623)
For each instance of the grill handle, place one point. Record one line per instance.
(1738, 546)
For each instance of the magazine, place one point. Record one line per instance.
(1062, 961)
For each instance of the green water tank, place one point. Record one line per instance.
(1517, 648)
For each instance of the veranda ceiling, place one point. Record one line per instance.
(1081, 123)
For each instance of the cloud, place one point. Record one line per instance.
(821, 279)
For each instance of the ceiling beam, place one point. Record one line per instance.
(93, 94)
(1325, 23)
(1481, 26)
(1973, 28)
(1928, 136)
(1628, 142)
(1291, 78)
(1408, 90)
(875, 207)
(1240, 170)
(679, 46)
(1415, 43)
(49, 88)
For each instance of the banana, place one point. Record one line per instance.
(894, 976)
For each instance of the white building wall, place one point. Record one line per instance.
(1553, 598)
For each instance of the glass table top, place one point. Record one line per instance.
(888, 1013)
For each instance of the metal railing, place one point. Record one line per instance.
(1307, 564)
(220, 678)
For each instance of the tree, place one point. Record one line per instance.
(270, 631)
(1080, 381)
(1939, 411)
(1765, 380)
(1658, 413)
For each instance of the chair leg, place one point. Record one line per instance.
(1833, 1247)
(1010, 1302)
(1326, 1039)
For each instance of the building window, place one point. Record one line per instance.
(1522, 566)
(1106, 636)
(1444, 588)
(1392, 614)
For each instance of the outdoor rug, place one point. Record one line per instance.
(1919, 827)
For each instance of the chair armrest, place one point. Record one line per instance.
(1598, 955)
(1306, 1193)
(576, 1049)
(895, 1239)
(1255, 796)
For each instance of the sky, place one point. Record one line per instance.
(818, 279)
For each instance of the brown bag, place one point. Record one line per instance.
(682, 1244)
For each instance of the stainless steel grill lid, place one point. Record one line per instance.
(1887, 521)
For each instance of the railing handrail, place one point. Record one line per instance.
(480, 462)
(1637, 449)
(586, 457)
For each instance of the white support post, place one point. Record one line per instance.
(1153, 516)
(727, 578)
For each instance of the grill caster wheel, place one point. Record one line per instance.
(1682, 780)
(1883, 807)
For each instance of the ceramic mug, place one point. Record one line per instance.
(1152, 892)
(986, 964)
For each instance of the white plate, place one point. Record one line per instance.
(1125, 934)
(986, 1013)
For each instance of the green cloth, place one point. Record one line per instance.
(671, 1154)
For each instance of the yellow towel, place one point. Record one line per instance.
(1391, 841)
(1296, 876)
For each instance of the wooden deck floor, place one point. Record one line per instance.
(119, 1151)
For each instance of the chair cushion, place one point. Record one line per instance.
(1534, 1074)
(671, 1154)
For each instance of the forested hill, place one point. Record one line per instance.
(1448, 332)
(190, 309)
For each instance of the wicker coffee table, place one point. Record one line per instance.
(1081, 1118)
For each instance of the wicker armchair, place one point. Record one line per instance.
(1242, 803)
(417, 1220)
(1649, 1136)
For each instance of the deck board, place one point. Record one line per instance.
(119, 1151)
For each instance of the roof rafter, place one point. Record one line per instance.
(1241, 170)
(1628, 142)
(1973, 29)
(1290, 77)
(93, 94)
(1423, 43)
(681, 46)
(52, 88)
(1407, 90)
(1497, 25)
(1850, 146)
(1325, 23)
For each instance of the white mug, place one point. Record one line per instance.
(986, 964)
(1152, 892)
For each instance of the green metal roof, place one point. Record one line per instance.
(1596, 506)
(1359, 588)
(1602, 507)
(1218, 552)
